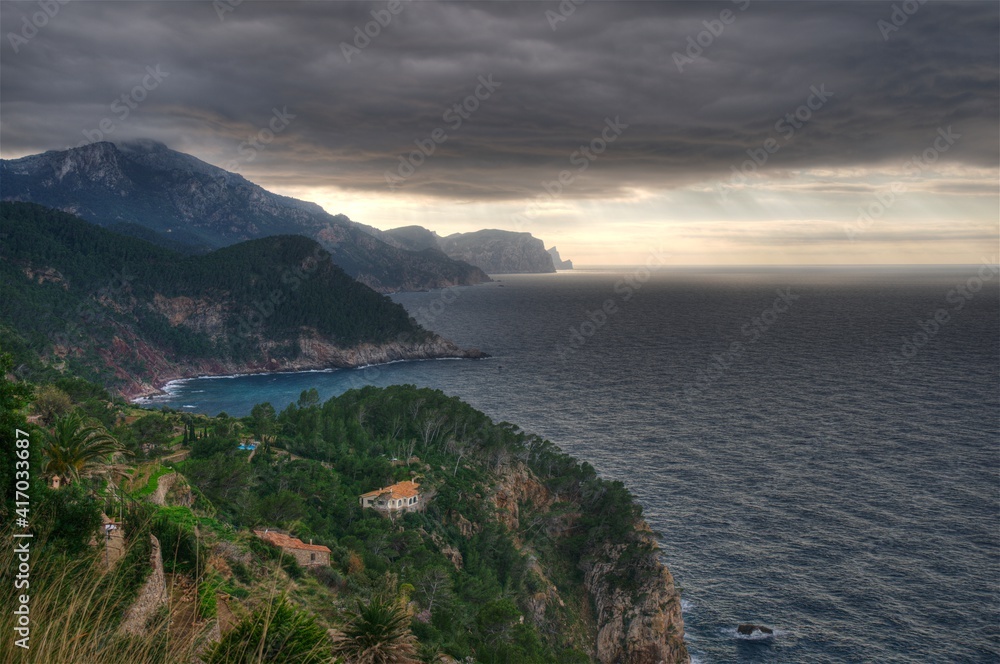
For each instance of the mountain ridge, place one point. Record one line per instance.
(135, 315)
(175, 194)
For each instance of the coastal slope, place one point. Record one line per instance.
(134, 315)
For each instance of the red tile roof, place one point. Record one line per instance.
(405, 489)
(287, 541)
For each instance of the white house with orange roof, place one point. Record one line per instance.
(399, 497)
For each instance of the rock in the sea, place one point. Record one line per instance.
(747, 629)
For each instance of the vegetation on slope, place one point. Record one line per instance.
(108, 305)
(492, 570)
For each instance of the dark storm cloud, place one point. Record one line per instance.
(354, 119)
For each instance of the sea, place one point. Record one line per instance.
(818, 449)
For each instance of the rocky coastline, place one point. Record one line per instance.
(317, 355)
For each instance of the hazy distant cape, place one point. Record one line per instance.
(494, 251)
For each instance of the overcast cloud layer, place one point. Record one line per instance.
(884, 94)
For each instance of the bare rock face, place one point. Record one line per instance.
(636, 626)
(518, 485)
(316, 353)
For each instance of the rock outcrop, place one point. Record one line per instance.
(637, 622)
(643, 625)
(557, 260)
(518, 485)
(749, 629)
(317, 354)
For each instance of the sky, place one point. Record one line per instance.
(742, 132)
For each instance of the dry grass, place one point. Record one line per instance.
(76, 608)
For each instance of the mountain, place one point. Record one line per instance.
(414, 238)
(134, 315)
(499, 252)
(557, 260)
(196, 204)
(493, 251)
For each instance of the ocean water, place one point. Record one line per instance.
(818, 449)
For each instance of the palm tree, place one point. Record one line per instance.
(76, 448)
(377, 633)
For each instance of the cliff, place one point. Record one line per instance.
(499, 252)
(637, 607)
(639, 626)
(557, 260)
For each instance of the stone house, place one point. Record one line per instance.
(307, 555)
(400, 497)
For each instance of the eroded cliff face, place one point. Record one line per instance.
(516, 486)
(637, 626)
(635, 623)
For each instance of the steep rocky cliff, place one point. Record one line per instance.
(499, 252)
(316, 355)
(557, 260)
(637, 607)
(641, 625)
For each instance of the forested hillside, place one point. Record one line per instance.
(520, 553)
(130, 313)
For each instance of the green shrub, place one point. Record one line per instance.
(276, 633)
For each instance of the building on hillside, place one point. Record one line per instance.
(400, 497)
(307, 555)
